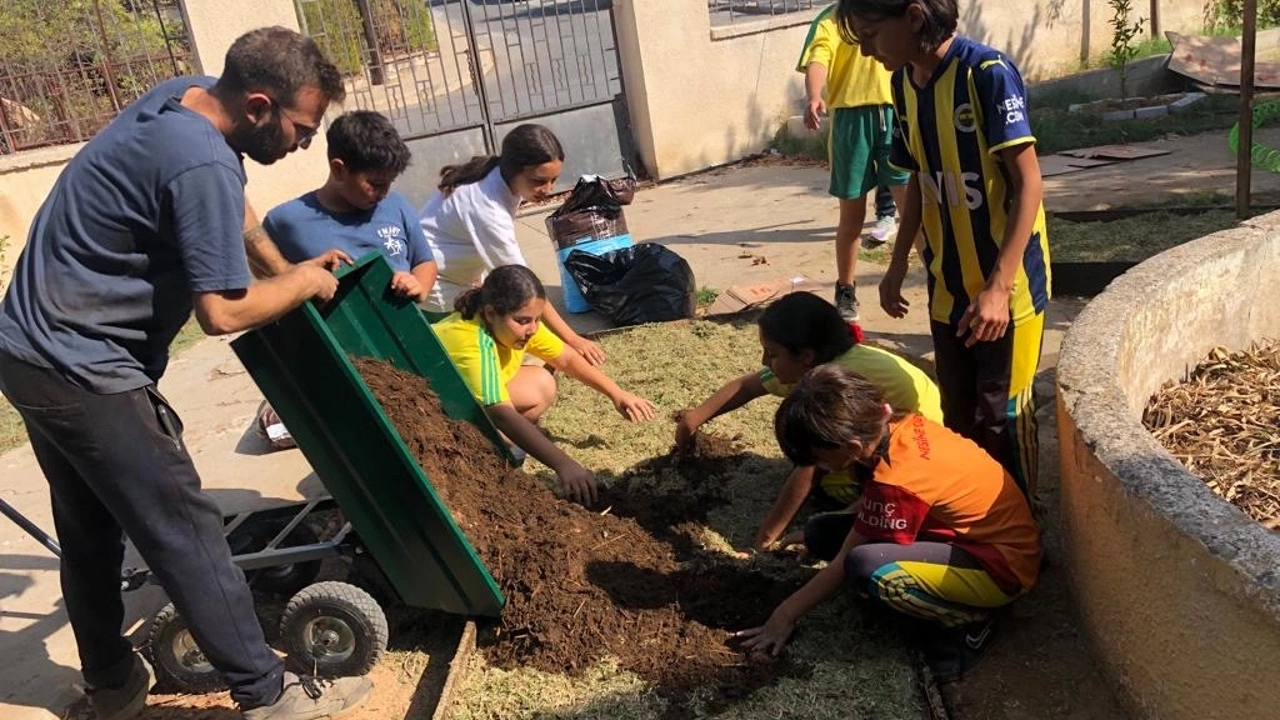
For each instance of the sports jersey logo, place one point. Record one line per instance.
(881, 515)
(966, 120)
(391, 239)
(959, 187)
(1013, 108)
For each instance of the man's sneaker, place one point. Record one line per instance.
(880, 233)
(127, 701)
(953, 652)
(847, 301)
(309, 698)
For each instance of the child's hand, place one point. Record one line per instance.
(891, 299)
(813, 114)
(591, 351)
(407, 286)
(634, 407)
(987, 317)
(770, 637)
(686, 429)
(579, 483)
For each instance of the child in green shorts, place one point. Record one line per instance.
(799, 332)
(861, 106)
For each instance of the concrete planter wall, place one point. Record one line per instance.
(1179, 592)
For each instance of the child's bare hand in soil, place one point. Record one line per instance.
(579, 484)
(770, 637)
(686, 430)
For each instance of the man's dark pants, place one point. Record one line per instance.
(116, 466)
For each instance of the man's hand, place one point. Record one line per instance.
(814, 112)
(987, 317)
(891, 299)
(579, 483)
(634, 407)
(321, 283)
(405, 285)
(331, 260)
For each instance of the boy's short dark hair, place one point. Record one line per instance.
(941, 18)
(366, 141)
(828, 408)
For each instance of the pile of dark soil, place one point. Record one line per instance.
(583, 584)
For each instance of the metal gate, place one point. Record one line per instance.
(456, 75)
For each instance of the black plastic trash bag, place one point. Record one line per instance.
(592, 211)
(643, 283)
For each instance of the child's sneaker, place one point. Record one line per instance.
(953, 652)
(880, 233)
(847, 301)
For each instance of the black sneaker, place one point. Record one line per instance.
(953, 652)
(847, 301)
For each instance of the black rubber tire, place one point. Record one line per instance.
(178, 662)
(333, 629)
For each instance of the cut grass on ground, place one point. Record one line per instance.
(861, 667)
(13, 434)
(1131, 239)
(1056, 128)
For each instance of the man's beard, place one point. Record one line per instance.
(264, 144)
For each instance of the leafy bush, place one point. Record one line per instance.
(401, 28)
(1225, 15)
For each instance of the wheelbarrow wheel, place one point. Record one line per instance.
(179, 663)
(333, 629)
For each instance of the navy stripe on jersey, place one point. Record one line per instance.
(952, 273)
(972, 152)
(1033, 263)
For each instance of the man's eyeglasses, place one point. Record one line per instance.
(303, 131)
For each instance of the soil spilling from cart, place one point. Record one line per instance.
(625, 579)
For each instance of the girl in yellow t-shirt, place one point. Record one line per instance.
(487, 337)
(799, 332)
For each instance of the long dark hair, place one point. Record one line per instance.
(940, 18)
(524, 147)
(506, 290)
(801, 321)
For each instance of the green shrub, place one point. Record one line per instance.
(1225, 15)
(402, 28)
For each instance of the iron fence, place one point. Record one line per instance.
(68, 68)
(724, 12)
(436, 66)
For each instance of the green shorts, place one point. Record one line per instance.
(858, 151)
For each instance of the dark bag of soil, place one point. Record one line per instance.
(643, 283)
(592, 212)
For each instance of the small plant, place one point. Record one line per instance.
(1123, 34)
(4, 245)
(707, 295)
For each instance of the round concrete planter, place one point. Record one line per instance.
(1178, 591)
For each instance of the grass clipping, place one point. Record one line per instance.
(1223, 424)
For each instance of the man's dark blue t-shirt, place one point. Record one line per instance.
(148, 212)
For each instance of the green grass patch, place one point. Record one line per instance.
(1131, 239)
(12, 432)
(807, 146)
(1057, 129)
(861, 665)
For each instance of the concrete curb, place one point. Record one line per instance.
(457, 670)
(1177, 589)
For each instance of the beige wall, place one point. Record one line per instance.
(701, 96)
(27, 178)
(697, 101)
(1051, 37)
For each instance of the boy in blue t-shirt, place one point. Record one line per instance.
(354, 210)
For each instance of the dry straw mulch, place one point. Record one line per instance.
(1223, 424)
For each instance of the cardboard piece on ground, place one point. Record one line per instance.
(1051, 165)
(741, 297)
(1103, 153)
(1215, 61)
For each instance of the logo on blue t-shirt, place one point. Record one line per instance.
(392, 239)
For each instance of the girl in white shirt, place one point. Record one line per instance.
(470, 222)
